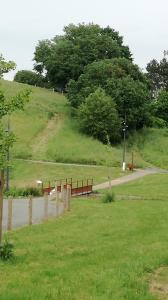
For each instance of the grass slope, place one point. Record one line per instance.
(152, 144)
(97, 251)
(46, 131)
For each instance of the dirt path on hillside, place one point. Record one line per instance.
(133, 176)
(39, 145)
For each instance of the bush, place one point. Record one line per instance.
(24, 192)
(98, 117)
(6, 250)
(108, 197)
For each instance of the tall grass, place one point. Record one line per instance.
(152, 144)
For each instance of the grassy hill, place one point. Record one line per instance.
(152, 144)
(46, 131)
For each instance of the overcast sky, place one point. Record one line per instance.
(142, 23)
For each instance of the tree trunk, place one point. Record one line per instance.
(1, 201)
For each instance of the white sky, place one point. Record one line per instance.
(143, 23)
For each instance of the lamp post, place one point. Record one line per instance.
(124, 143)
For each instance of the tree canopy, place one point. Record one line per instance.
(64, 57)
(157, 73)
(7, 106)
(6, 66)
(123, 81)
(30, 77)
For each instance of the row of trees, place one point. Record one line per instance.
(93, 65)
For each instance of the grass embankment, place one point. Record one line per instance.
(97, 251)
(152, 144)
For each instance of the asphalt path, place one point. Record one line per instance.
(21, 206)
(133, 176)
(21, 209)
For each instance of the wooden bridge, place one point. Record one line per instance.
(78, 187)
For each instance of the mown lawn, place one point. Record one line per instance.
(149, 187)
(97, 251)
(24, 173)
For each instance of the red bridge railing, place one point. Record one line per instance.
(78, 187)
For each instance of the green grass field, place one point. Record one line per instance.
(26, 173)
(149, 187)
(97, 251)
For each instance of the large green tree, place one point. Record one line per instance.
(64, 57)
(7, 107)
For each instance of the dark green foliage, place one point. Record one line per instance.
(133, 99)
(65, 57)
(6, 250)
(120, 79)
(24, 192)
(6, 66)
(32, 78)
(108, 197)
(157, 73)
(99, 74)
(161, 106)
(98, 117)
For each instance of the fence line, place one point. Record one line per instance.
(21, 212)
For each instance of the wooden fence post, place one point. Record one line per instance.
(45, 206)
(68, 194)
(64, 198)
(30, 209)
(62, 192)
(57, 203)
(10, 202)
(56, 200)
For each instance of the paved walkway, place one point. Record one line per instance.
(134, 175)
(20, 206)
(20, 211)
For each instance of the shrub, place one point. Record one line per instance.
(24, 192)
(6, 250)
(108, 197)
(98, 117)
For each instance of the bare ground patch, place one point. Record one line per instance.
(159, 284)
